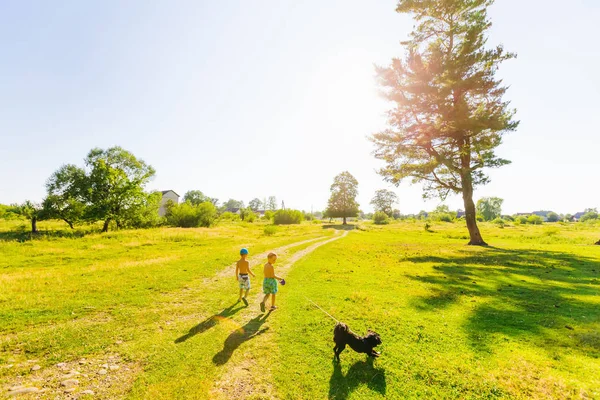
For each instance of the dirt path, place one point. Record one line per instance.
(243, 377)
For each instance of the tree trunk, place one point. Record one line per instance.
(105, 227)
(471, 214)
(344, 220)
(69, 222)
(34, 225)
(597, 243)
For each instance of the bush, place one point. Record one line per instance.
(287, 217)
(270, 230)
(500, 222)
(479, 218)
(520, 219)
(552, 217)
(229, 216)
(308, 217)
(589, 216)
(441, 217)
(535, 220)
(268, 214)
(186, 215)
(381, 218)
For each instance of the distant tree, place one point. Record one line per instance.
(342, 203)
(489, 207)
(384, 201)
(115, 187)
(590, 213)
(568, 217)
(231, 203)
(255, 204)
(380, 218)
(552, 217)
(188, 215)
(33, 212)
(247, 214)
(449, 114)
(272, 203)
(67, 194)
(195, 197)
(535, 220)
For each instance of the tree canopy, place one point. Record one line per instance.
(342, 202)
(449, 114)
(384, 201)
(489, 207)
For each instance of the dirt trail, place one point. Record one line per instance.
(242, 378)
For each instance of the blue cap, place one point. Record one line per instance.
(244, 252)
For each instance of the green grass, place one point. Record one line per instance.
(518, 319)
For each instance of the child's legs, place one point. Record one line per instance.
(266, 298)
(241, 291)
(273, 300)
(247, 290)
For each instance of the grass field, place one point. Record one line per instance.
(153, 313)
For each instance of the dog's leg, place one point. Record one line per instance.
(339, 350)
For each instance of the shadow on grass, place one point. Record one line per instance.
(339, 227)
(239, 336)
(24, 236)
(210, 322)
(361, 373)
(529, 293)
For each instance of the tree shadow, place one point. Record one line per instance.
(239, 336)
(339, 227)
(360, 373)
(210, 322)
(24, 236)
(516, 293)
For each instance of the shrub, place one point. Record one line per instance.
(500, 222)
(381, 218)
(535, 220)
(270, 230)
(268, 214)
(308, 217)
(287, 217)
(520, 219)
(479, 218)
(229, 216)
(186, 215)
(552, 217)
(589, 216)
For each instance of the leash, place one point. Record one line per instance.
(316, 305)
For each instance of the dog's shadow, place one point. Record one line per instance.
(239, 336)
(210, 322)
(361, 373)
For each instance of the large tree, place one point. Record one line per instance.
(67, 190)
(489, 207)
(255, 204)
(116, 183)
(384, 201)
(342, 202)
(449, 115)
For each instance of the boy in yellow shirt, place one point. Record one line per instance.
(242, 269)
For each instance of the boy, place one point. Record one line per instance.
(270, 282)
(242, 269)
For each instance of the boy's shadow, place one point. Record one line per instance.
(362, 372)
(210, 322)
(239, 336)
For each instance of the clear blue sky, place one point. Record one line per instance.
(245, 99)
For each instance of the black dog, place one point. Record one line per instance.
(342, 336)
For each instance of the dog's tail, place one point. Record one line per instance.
(340, 328)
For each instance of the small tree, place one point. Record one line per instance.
(342, 203)
(272, 203)
(33, 212)
(67, 189)
(552, 217)
(384, 201)
(232, 204)
(489, 207)
(195, 197)
(255, 204)
(381, 218)
(449, 114)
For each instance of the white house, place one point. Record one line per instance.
(166, 196)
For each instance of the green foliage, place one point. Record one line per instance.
(552, 217)
(145, 214)
(196, 197)
(67, 199)
(589, 216)
(520, 219)
(384, 201)
(287, 217)
(535, 220)
(231, 203)
(342, 202)
(246, 214)
(188, 215)
(381, 218)
(33, 212)
(308, 216)
(271, 203)
(255, 204)
(500, 222)
(441, 217)
(8, 212)
(269, 214)
(229, 216)
(270, 230)
(489, 207)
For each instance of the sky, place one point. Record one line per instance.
(244, 99)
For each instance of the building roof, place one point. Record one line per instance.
(167, 191)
